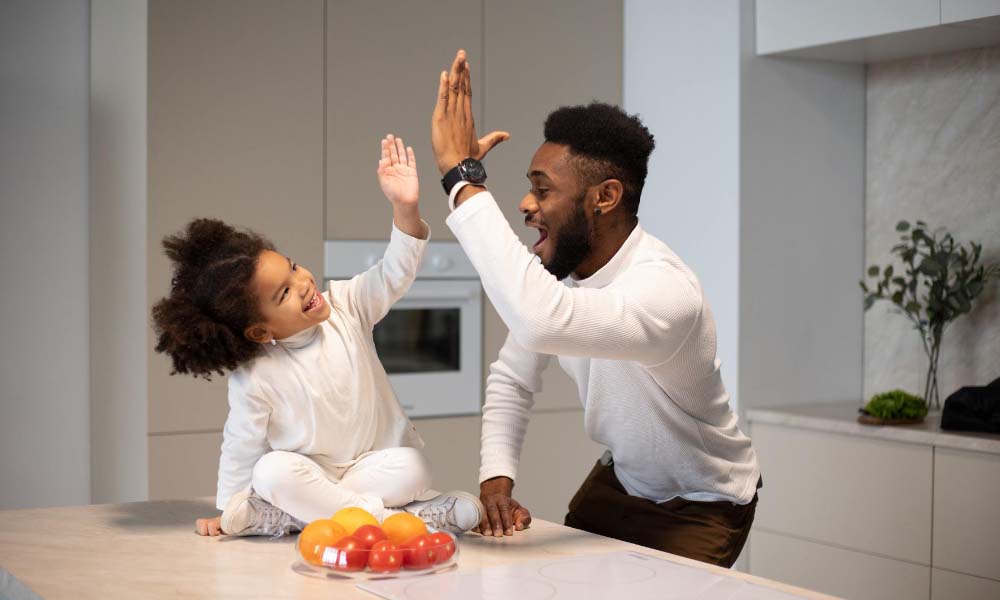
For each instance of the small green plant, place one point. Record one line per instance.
(896, 404)
(938, 282)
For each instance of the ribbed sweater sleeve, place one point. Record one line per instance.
(631, 320)
(372, 293)
(514, 379)
(244, 438)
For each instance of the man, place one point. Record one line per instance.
(628, 323)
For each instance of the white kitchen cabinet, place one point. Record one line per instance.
(862, 494)
(234, 132)
(184, 465)
(876, 30)
(824, 473)
(791, 24)
(966, 525)
(956, 11)
(948, 585)
(382, 63)
(836, 571)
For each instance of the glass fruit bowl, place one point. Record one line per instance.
(356, 557)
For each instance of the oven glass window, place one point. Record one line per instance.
(419, 340)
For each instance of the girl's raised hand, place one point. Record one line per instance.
(397, 173)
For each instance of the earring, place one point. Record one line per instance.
(273, 343)
(597, 210)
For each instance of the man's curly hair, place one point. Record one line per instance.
(604, 143)
(200, 324)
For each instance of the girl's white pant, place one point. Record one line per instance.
(304, 488)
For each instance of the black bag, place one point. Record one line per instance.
(973, 409)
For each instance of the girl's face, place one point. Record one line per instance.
(287, 298)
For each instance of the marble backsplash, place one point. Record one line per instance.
(933, 153)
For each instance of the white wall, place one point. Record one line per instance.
(44, 356)
(118, 318)
(682, 77)
(802, 166)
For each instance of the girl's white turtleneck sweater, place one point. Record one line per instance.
(323, 392)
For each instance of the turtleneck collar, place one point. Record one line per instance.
(613, 267)
(300, 339)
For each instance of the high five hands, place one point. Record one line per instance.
(453, 139)
(453, 128)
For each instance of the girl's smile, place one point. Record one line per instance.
(287, 298)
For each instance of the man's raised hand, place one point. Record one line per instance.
(453, 128)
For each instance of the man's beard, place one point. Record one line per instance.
(572, 244)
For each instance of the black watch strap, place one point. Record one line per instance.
(469, 169)
(451, 178)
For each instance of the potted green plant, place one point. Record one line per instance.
(938, 283)
(895, 407)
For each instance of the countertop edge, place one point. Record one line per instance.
(928, 434)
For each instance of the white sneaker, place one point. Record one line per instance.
(454, 512)
(248, 514)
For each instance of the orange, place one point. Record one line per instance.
(317, 536)
(353, 517)
(403, 527)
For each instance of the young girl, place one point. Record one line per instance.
(313, 425)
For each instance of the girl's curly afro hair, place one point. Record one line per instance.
(200, 324)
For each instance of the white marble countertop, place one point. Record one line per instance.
(843, 418)
(150, 550)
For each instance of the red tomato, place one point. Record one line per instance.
(369, 534)
(346, 555)
(443, 544)
(385, 557)
(418, 553)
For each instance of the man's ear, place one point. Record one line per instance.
(609, 196)
(258, 333)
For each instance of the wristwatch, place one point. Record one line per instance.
(470, 170)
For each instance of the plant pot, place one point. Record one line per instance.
(865, 419)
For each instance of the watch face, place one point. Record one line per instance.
(472, 170)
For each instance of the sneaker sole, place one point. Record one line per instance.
(229, 514)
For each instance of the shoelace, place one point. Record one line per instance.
(271, 520)
(438, 514)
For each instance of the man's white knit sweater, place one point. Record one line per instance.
(638, 339)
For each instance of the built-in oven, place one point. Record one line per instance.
(430, 343)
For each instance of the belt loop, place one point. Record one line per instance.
(606, 459)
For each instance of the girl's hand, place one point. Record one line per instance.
(211, 526)
(397, 173)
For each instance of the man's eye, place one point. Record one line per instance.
(295, 266)
(283, 294)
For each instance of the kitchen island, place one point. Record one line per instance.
(149, 549)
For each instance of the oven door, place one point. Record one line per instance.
(430, 344)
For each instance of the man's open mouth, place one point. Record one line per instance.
(543, 235)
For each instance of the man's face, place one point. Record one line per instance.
(556, 206)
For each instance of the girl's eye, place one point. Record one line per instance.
(285, 293)
(295, 266)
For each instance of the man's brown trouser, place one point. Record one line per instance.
(712, 532)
